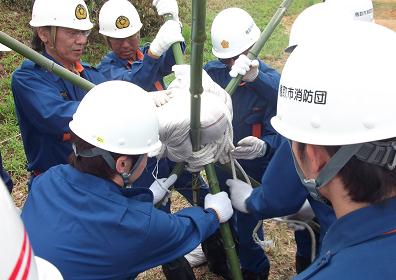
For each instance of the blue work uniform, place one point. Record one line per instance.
(5, 177)
(145, 71)
(254, 104)
(90, 228)
(282, 193)
(148, 73)
(360, 245)
(45, 104)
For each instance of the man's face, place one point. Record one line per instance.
(125, 48)
(69, 45)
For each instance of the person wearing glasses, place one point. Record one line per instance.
(44, 102)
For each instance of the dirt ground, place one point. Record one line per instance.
(385, 13)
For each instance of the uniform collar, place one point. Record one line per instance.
(139, 57)
(361, 225)
(126, 62)
(78, 65)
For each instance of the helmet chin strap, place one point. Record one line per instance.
(126, 175)
(93, 152)
(377, 153)
(53, 30)
(328, 172)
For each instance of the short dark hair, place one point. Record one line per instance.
(363, 181)
(93, 165)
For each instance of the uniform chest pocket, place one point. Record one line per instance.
(65, 95)
(255, 122)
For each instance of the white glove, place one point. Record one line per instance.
(167, 7)
(160, 187)
(240, 191)
(245, 67)
(250, 148)
(221, 204)
(161, 97)
(305, 213)
(169, 33)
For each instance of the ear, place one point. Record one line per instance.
(317, 157)
(123, 164)
(44, 34)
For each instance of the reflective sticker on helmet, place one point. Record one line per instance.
(250, 28)
(303, 95)
(122, 22)
(81, 12)
(363, 13)
(225, 44)
(100, 139)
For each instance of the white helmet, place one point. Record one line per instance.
(340, 89)
(358, 9)
(233, 32)
(119, 117)
(119, 19)
(71, 14)
(17, 258)
(4, 48)
(312, 21)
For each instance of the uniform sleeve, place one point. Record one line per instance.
(281, 192)
(42, 102)
(172, 236)
(168, 60)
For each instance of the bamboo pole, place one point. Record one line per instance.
(198, 37)
(253, 54)
(176, 48)
(255, 50)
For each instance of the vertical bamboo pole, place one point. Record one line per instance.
(178, 55)
(176, 48)
(198, 37)
(255, 50)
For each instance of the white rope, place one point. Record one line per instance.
(216, 122)
(295, 225)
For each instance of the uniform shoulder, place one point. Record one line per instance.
(265, 67)
(88, 67)
(214, 64)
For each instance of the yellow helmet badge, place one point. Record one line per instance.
(81, 12)
(225, 44)
(100, 139)
(122, 22)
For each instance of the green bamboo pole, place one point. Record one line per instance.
(198, 37)
(255, 50)
(177, 51)
(253, 54)
(44, 62)
(178, 55)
